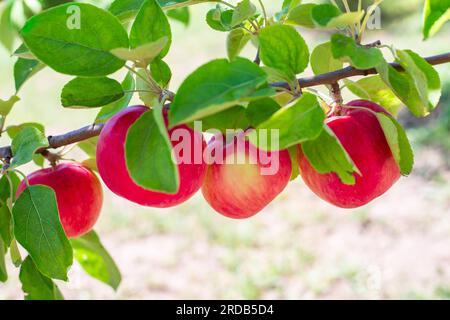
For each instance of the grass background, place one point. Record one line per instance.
(299, 246)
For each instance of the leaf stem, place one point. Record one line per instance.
(263, 8)
(226, 3)
(369, 12)
(24, 176)
(137, 74)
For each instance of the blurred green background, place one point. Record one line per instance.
(298, 247)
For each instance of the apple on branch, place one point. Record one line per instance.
(78, 192)
(113, 169)
(241, 179)
(361, 135)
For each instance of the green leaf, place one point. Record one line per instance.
(302, 15)
(52, 3)
(35, 285)
(38, 160)
(326, 155)
(161, 72)
(232, 118)
(38, 229)
(330, 16)
(108, 111)
(374, 89)
(236, 41)
(276, 75)
(322, 14)
(214, 87)
(24, 69)
(180, 14)
(16, 258)
(346, 19)
(294, 124)
(149, 154)
(151, 24)
(6, 106)
(244, 10)
(347, 50)
(14, 130)
(89, 146)
(7, 28)
(91, 92)
(90, 163)
(219, 19)
(284, 49)
(322, 60)
(95, 260)
(55, 39)
(6, 231)
(142, 55)
(25, 144)
(3, 271)
(146, 93)
(23, 52)
(5, 191)
(436, 13)
(425, 79)
(125, 8)
(293, 154)
(398, 142)
(286, 8)
(260, 110)
(418, 87)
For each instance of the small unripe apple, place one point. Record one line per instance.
(247, 179)
(113, 169)
(361, 135)
(78, 193)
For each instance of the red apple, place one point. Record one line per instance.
(362, 137)
(114, 172)
(78, 193)
(241, 189)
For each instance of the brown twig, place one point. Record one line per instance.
(335, 76)
(327, 78)
(61, 140)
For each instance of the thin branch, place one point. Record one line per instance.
(327, 78)
(335, 76)
(263, 8)
(62, 140)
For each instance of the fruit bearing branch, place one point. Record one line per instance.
(335, 76)
(326, 78)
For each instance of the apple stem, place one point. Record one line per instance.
(336, 95)
(53, 158)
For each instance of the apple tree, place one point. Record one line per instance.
(261, 108)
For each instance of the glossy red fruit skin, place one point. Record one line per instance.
(361, 135)
(240, 191)
(112, 166)
(78, 193)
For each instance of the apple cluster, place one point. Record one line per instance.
(235, 190)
